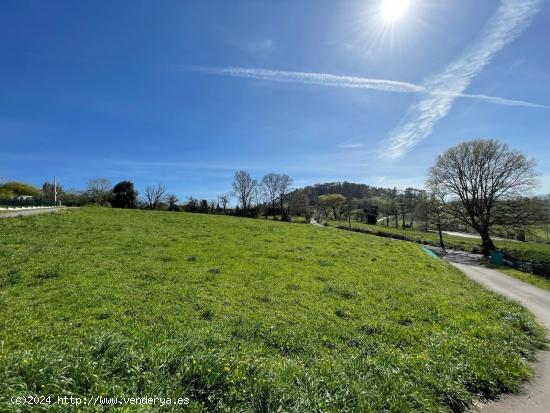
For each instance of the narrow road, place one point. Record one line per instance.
(475, 236)
(26, 212)
(536, 394)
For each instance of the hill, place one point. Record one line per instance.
(246, 315)
(351, 190)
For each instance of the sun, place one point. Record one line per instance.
(392, 10)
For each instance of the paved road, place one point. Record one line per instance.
(536, 395)
(26, 212)
(467, 235)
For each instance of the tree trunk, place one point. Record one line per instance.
(486, 242)
(441, 243)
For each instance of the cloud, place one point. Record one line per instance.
(355, 82)
(511, 18)
(350, 145)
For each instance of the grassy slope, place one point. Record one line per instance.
(249, 315)
(535, 251)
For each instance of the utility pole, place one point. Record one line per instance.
(54, 191)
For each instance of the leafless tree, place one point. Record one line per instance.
(155, 195)
(436, 216)
(283, 187)
(99, 190)
(270, 188)
(299, 204)
(245, 189)
(172, 200)
(224, 201)
(473, 178)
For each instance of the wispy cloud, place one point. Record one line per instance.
(356, 82)
(352, 145)
(511, 18)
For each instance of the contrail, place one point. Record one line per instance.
(511, 18)
(326, 79)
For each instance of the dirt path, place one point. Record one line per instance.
(26, 212)
(536, 395)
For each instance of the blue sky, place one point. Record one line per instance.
(185, 93)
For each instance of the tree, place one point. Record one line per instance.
(270, 188)
(72, 197)
(299, 205)
(18, 189)
(192, 205)
(99, 190)
(473, 178)
(155, 195)
(283, 186)
(402, 205)
(124, 195)
(224, 201)
(49, 189)
(435, 215)
(244, 188)
(172, 201)
(335, 202)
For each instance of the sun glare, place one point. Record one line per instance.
(392, 10)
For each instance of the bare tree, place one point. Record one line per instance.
(99, 190)
(283, 186)
(244, 188)
(224, 201)
(270, 188)
(172, 200)
(473, 178)
(435, 215)
(155, 195)
(299, 204)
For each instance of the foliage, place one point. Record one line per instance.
(246, 315)
(17, 189)
(124, 195)
(333, 203)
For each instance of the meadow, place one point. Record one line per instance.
(528, 251)
(246, 315)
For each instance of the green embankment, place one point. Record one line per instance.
(246, 315)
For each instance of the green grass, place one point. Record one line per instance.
(536, 280)
(539, 233)
(533, 251)
(246, 315)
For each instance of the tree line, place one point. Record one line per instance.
(478, 185)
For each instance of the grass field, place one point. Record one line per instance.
(534, 251)
(246, 315)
